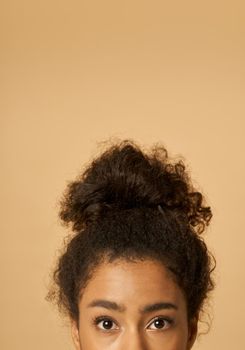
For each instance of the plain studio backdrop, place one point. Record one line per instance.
(75, 73)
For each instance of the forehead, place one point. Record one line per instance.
(133, 283)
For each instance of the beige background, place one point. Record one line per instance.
(74, 73)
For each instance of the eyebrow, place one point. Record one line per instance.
(111, 305)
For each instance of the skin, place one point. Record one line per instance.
(132, 286)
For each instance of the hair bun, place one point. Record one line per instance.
(125, 177)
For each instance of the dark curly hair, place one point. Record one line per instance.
(133, 205)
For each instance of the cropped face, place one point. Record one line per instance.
(133, 306)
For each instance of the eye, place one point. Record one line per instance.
(105, 323)
(160, 323)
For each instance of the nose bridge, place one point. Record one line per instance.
(134, 340)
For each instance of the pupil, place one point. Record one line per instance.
(107, 324)
(159, 323)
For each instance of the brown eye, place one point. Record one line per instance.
(160, 323)
(105, 324)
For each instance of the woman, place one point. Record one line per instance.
(136, 273)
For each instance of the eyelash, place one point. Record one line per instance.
(99, 319)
